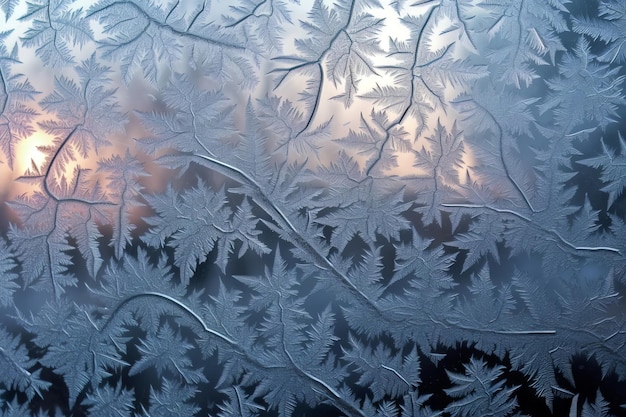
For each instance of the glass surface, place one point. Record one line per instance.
(282, 208)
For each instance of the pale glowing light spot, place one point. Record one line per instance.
(30, 159)
(469, 161)
(406, 165)
(445, 33)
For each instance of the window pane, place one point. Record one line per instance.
(360, 208)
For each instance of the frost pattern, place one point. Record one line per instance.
(357, 208)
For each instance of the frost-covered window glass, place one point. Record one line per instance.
(312, 208)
